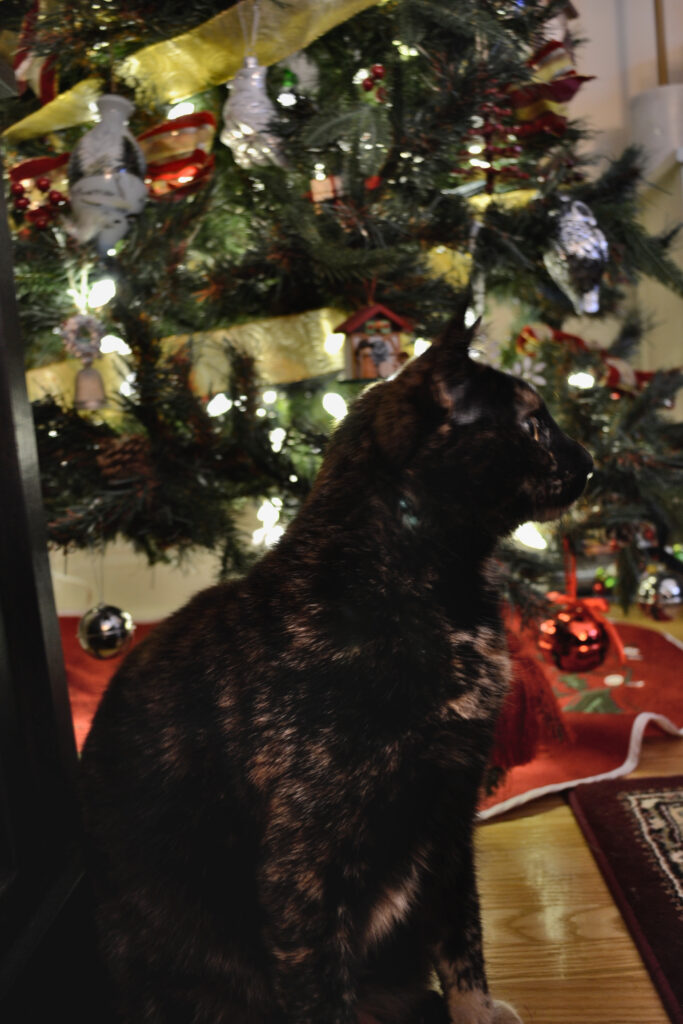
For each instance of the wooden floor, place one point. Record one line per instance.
(555, 943)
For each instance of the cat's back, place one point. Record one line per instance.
(166, 709)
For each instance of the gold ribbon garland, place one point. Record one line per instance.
(286, 349)
(208, 55)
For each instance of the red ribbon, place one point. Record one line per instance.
(47, 78)
(178, 124)
(559, 91)
(165, 175)
(36, 167)
(162, 176)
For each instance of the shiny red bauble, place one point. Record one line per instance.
(574, 640)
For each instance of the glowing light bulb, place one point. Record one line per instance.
(334, 343)
(269, 397)
(277, 438)
(112, 343)
(180, 110)
(334, 405)
(127, 388)
(219, 405)
(530, 536)
(421, 345)
(271, 531)
(102, 292)
(580, 379)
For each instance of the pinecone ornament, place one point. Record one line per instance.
(122, 459)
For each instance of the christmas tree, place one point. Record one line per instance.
(369, 169)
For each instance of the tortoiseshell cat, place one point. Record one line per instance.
(280, 783)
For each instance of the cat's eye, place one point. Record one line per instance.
(531, 425)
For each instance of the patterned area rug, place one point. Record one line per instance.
(608, 714)
(635, 830)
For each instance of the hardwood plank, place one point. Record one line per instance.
(555, 943)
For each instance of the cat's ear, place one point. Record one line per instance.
(451, 362)
(453, 343)
(423, 394)
(406, 409)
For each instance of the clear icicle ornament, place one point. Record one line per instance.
(247, 116)
(106, 177)
(577, 258)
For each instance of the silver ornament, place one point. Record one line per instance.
(577, 258)
(106, 177)
(105, 631)
(660, 592)
(247, 116)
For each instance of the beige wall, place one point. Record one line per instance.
(621, 51)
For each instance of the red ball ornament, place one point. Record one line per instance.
(22, 203)
(574, 640)
(43, 184)
(42, 221)
(57, 198)
(17, 189)
(368, 84)
(377, 70)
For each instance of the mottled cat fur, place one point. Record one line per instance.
(280, 783)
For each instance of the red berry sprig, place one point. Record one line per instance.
(377, 73)
(40, 216)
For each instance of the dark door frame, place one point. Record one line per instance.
(47, 948)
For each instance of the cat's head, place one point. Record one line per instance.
(465, 440)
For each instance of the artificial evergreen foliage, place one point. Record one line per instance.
(243, 245)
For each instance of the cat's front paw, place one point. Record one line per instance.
(478, 1008)
(503, 1013)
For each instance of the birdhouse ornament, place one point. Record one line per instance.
(106, 177)
(374, 343)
